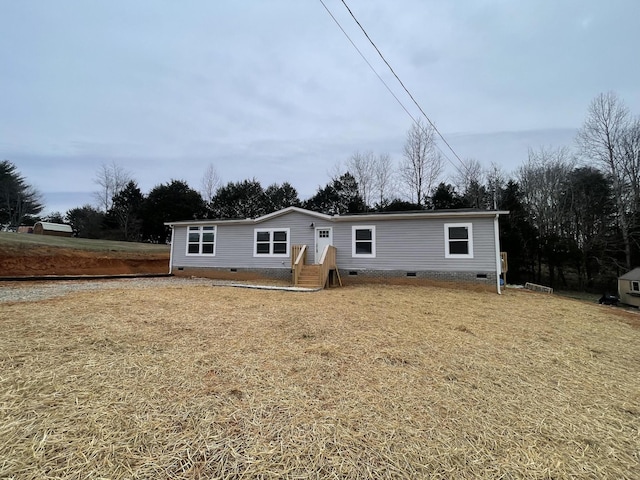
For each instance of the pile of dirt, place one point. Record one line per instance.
(65, 261)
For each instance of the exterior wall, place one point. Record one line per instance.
(55, 233)
(624, 287)
(238, 274)
(402, 246)
(399, 277)
(417, 245)
(455, 277)
(235, 244)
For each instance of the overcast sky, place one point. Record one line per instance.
(272, 89)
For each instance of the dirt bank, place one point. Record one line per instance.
(62, 261)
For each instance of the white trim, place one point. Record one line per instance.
(373, 241)
(318, 254)
(284, 211)
(496, 235)
(200, 230)
(173, 233)
(356, 218)
(637, 285)
(469, 240)
(271, 231)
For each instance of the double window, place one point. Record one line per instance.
(201, 240)
(271, 242)
(363, 241)
(458, 240)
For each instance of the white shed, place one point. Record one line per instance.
(629, 287)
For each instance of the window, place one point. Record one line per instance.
(201, 240)
(458, 240)
(271, 242)
(635, 286)
(363, 241)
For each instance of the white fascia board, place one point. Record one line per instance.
(284, 211)
(409, 216)
(195, 223)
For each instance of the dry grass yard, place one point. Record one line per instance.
(195, 382)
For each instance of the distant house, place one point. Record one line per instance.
(49, 228)
(451, 245)
(25, 229)
(629, 288)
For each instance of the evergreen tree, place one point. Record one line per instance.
(173, 201)
(126, 212)
(281, 196)
(18, 199)
(87, 221)
(245, 199)
(338, 197)
(445, 197)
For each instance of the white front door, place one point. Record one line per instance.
(324, 237)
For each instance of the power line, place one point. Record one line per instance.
(367, 61)
(399, 81)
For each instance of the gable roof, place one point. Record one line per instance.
(631, 275)
(287, 210)
(354, 217)
(55, 227)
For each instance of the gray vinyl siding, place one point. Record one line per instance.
(417, 245)
(235, 244)
(401, 244)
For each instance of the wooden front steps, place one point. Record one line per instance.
(320, 275)
(310, 277)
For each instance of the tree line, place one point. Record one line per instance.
(573, 222)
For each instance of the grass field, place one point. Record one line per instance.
(24, 241)
(361, 382)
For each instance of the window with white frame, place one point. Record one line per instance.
(458, 240)
(363, 240)
(271, 242)
(635, 286)
(201, 240)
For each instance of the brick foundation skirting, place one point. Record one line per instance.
(234, 273)
(483, 277)
(348, 276)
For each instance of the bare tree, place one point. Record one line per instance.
(496, 180)
(383, 178)
(422, 165)
(631, 163)
(210, 183)
(469, 182)
(112, 179)
(362, 167)
(601, 141)
(542, 180)
(471, 171)
(336, 171)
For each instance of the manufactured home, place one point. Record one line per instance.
(294, 243)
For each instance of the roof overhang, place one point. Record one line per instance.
(631, 275)
(426, 214)
(361, 217)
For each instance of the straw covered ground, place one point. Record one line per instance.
(198, 381)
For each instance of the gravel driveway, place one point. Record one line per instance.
(34, 291)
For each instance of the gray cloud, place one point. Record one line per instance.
(274, 90)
